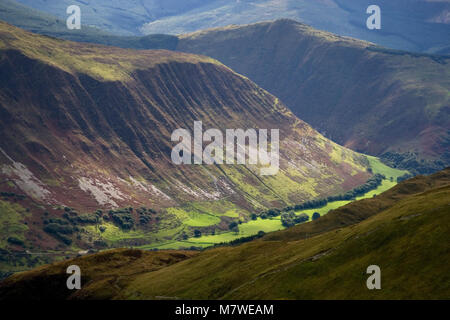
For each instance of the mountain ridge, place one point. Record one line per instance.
(87, 146)
(371, 99)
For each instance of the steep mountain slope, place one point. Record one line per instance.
(39, 22)
(404, 231)
(87, 128)
(368, 98)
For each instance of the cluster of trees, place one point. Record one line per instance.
(410, 161)
(15, 241)
(144, 215)
(371, 184)
(234, 226)
(12, 194)
(238, 241)
(122, 218)
(60, 231)
(315, 216)
(289, 219)
(404, 177)
(89, 218)
(287, 214)
(197, 233)
(62, 228)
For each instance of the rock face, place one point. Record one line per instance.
(89, 127)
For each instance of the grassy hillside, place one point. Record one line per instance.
(123, 263)
(403, 230)
(370, 99)
(86, 147)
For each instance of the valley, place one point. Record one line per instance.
(224, 150)
(86, 149)
(270, 224)
(387, 103)
(323, 259)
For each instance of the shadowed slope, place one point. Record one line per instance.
(370, 99)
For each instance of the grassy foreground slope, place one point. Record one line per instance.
(404, 231)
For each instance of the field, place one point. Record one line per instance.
(252, 227)
(403, 230)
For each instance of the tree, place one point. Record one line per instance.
(197, 233)
(233, 226)
(315, 216)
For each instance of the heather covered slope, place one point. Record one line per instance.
(404, 231)
(87, 128)
(370, 99)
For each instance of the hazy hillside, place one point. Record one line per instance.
(87, 128)
(115, 16)
(39, 22)
(416, 25)
(368, 98)
(405, 234)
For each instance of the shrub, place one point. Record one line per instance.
(232, 225)
(57, 229)
(123, 219)
(15, 241)
(315, 216)
(197, 233)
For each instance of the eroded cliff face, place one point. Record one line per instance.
(93, 130)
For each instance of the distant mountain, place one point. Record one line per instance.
(88, 127)
(115, 16)
(371, 99)
(404, 231)
(39, 22)
(414, 25)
